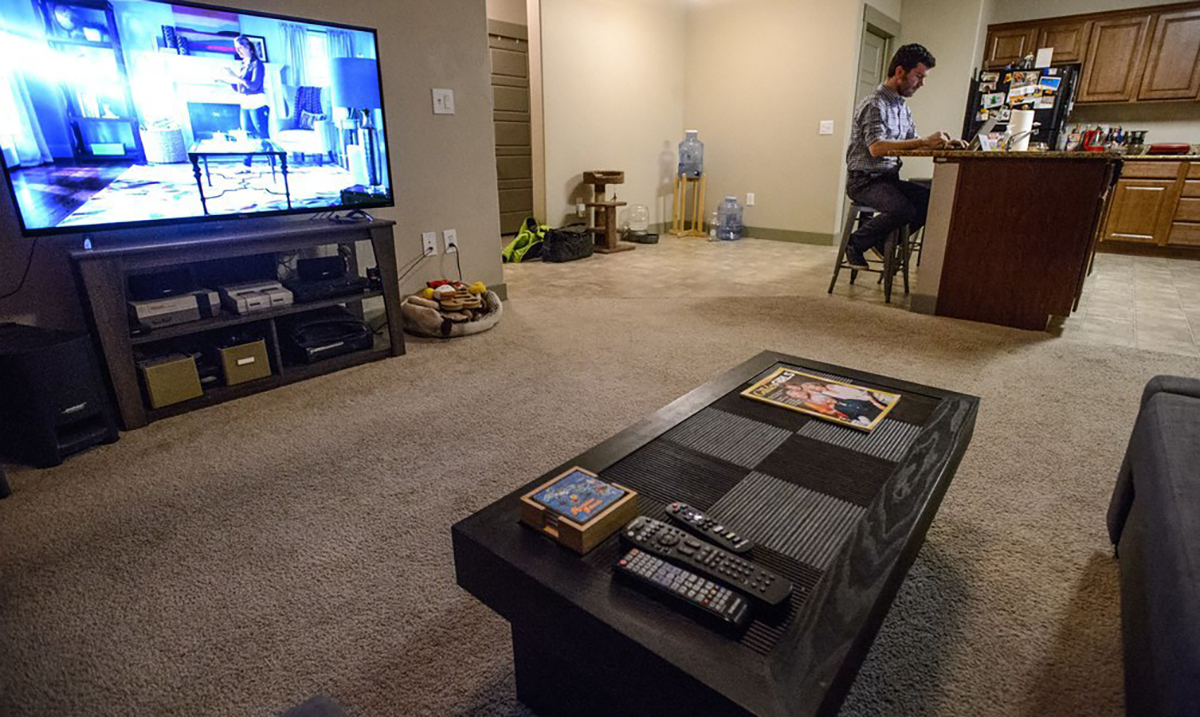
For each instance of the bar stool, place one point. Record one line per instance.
(895, 254)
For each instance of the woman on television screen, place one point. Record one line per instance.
(248, 82)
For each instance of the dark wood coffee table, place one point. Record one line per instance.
(839, 512)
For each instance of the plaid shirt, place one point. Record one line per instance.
(881, 115)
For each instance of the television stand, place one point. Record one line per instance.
(102, 274)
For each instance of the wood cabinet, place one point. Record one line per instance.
(1173, 61)
(1147, 54)
(1140, 211)
(1069, 40)
(1156, 202)
(1114, 59)
(1008, 46)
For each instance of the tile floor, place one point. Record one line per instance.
(1147, 303)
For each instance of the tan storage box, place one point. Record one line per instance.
(245, 362)
(170, 379)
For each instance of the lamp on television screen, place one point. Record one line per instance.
(356, 88)
(119, 114)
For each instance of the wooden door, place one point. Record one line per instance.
(510, 116)
(1141, 211)
(1008, 46)
(1069, 40)
(1173, 63)
(872, 63)
(1114, 59)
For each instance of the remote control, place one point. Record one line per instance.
(658, 538)
(700, 524)
(705, 599)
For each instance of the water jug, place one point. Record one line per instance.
(691, 154)
(729, 220)
(639, 218)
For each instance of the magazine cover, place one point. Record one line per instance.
(579, 495)
(842, 403)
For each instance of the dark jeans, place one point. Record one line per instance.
(256, 124)
(896, 203)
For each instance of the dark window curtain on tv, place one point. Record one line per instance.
(295, 37)
(20, 133)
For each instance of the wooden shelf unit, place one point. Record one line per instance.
(102, 274)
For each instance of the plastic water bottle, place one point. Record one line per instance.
(712, 225)
(729, 220)
(691, 154)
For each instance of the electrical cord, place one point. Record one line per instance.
(458, 262)
(24, 274)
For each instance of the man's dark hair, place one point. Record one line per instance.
(909, 57)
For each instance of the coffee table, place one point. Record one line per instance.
(218, 147)
(839, 512)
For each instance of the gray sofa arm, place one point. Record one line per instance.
(1122, 498)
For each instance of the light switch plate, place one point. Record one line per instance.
(749, 199)
(429, 241)
(443, 101)
(826, 127)
(450, 237)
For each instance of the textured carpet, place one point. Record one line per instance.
(236, 560)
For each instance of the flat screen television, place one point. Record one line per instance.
(123, 113)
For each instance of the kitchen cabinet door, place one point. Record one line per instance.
(1141, 211)
(1173, 63)
(1114, 59)
(1008, 46)
(1069, 40)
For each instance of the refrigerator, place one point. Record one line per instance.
(1048, 91)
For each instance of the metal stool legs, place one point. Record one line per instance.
(854, 215)
(896, 252)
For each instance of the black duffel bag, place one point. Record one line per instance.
(567, 244)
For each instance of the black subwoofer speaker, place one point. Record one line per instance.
(53, 400)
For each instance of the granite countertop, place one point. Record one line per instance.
(1162, 157)
(968, 154)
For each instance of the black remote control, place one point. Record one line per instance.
(707, 528)
(706, 600)
(656, 537)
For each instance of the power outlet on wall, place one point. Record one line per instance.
(429, 241)
(450, 237)
(749, 199)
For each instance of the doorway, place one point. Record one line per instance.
(878, 35)
(508, 45)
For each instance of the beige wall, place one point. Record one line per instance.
(507, 11)
(891, 8)
(613, 75)
(443, 167)
(762, 74)
(951, 30)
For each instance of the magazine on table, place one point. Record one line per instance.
(837, 401)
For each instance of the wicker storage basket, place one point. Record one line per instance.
(164, 145)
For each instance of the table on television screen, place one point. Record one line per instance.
(222, 149)
(840, 512)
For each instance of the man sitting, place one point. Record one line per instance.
(883, 124)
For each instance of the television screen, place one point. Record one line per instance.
(116, 113)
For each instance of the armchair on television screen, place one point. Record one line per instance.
(305, 129)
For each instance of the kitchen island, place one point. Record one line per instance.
(1009, 235)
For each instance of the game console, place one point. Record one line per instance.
(172, 310)
(320, 289)
(255, 296)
